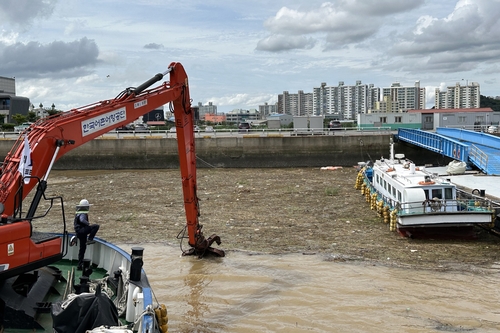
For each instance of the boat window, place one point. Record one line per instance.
(394, 192)
(389, 188)
(437, 193)
(426, 194)
(399, 196)
(448, 193)
(385, 185)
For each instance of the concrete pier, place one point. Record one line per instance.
(149, 152)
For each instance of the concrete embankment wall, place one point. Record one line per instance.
(227, 152)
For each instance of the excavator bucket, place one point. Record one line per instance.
(204, 247)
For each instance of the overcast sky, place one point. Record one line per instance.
(241, 54)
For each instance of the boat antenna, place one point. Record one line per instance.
(391, 150)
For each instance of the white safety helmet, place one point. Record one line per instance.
(84, 203)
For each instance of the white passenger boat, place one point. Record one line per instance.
(415, 201)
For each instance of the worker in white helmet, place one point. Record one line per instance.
(85, 232)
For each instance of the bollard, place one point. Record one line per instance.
(136, 267)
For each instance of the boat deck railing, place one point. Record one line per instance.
(434, 206)
(465, 202)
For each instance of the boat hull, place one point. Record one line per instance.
(453, 219)
(447, 231)
(104, 257)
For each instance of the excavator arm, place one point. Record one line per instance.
(30, 161)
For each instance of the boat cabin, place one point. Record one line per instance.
(413, 189)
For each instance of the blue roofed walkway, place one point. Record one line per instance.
(479, 149)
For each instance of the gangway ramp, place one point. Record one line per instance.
(484, 148)
(479, 149)
(435, 142)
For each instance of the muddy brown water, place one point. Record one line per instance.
(310, 293)
(249, 292)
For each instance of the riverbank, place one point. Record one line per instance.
(246, 151)
(270, 210)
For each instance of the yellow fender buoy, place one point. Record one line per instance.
(161, 317)
(394, 220)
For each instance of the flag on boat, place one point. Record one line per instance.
(25, 165)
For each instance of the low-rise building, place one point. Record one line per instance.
(10, 104)
(472, 118)
(278, 120)
(308, 123)
(389, 120)
(215, 118)
(239, 115)
(431, 119)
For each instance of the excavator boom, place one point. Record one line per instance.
(30, 161)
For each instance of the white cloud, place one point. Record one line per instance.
(284, 43)
(8, 38)
(341, 23)
(241, 54)
(245, 101)
(23, 12)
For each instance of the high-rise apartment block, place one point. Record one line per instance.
(267, 109)
(344, 102)
(340, 102)
(408, 98)
(458, 97)
(210, 108)
(300, 104)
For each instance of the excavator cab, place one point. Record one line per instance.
(22, 248)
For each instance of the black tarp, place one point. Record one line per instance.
(85, 312)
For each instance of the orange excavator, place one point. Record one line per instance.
(33, 155)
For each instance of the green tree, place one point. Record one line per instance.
(32, 116)
(19, 118)
(52, 112)
(489, 102)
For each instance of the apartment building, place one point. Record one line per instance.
(408, 98)
(387, 105)
(300, 104)
(268, 109)
(458, 96)
(210, 108)
(344, 102)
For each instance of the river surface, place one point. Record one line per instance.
(308, 293)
